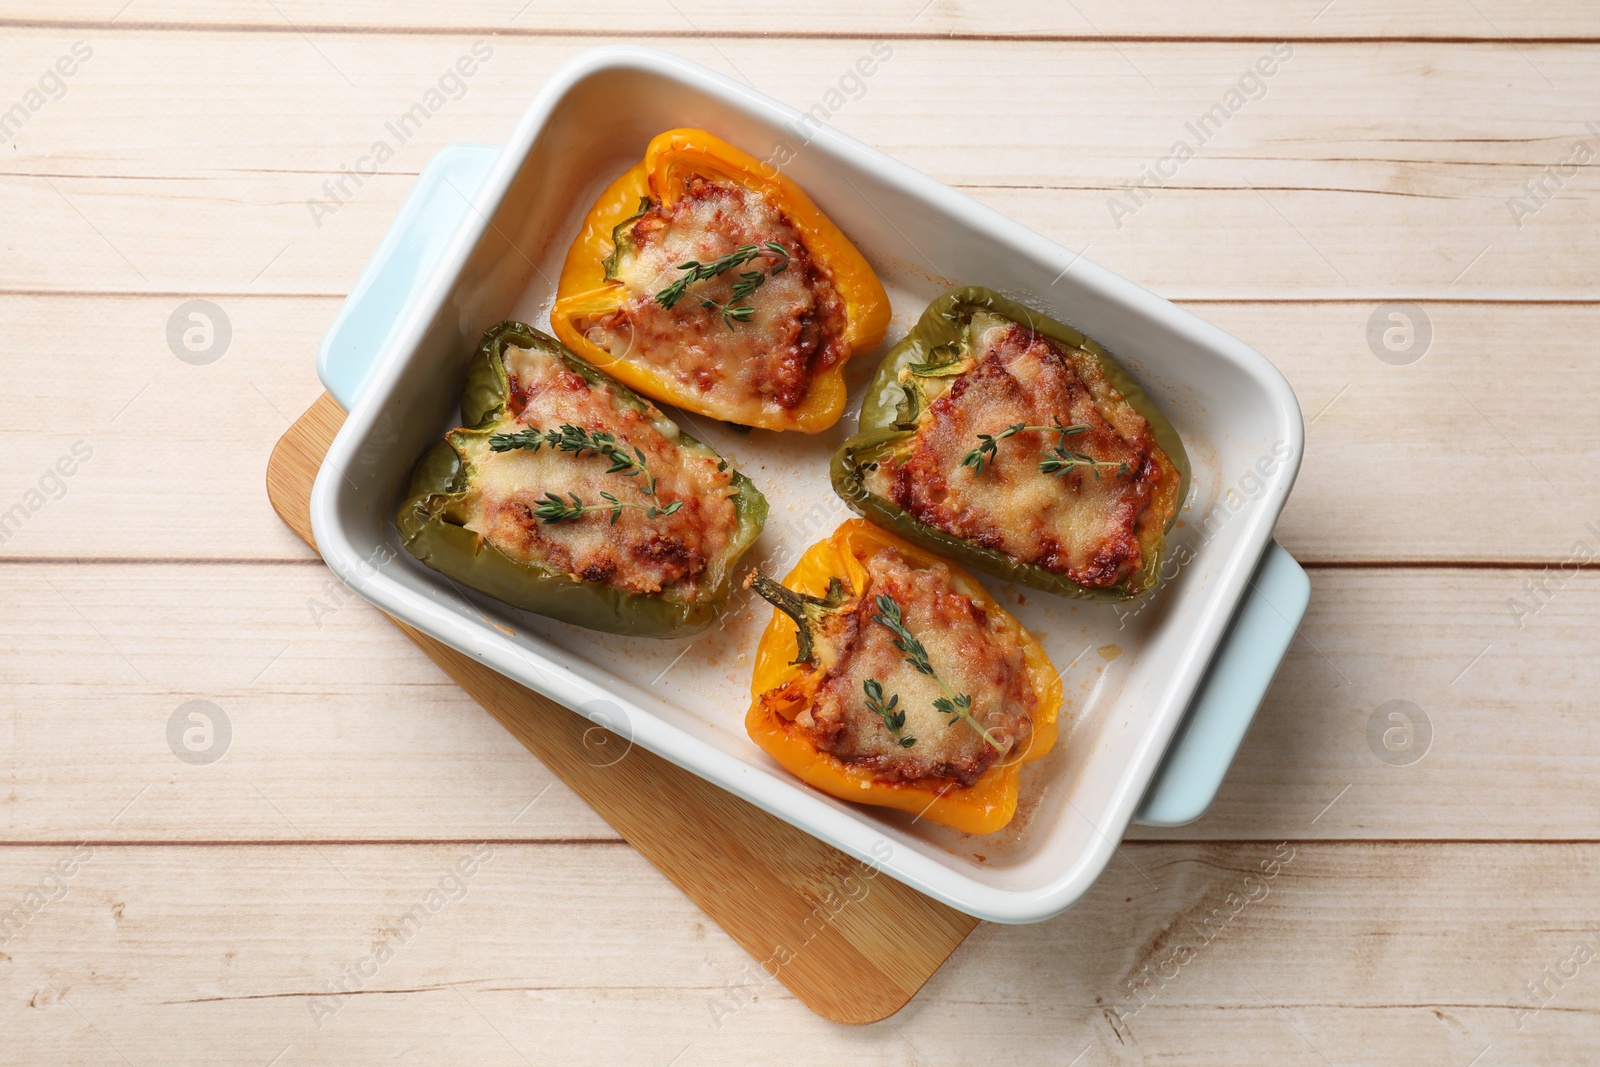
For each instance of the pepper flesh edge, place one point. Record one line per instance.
(981, 808)
(583, 291)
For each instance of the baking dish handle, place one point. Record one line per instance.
(1226, 703)
(408, 253)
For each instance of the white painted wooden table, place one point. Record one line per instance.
(1433, 895)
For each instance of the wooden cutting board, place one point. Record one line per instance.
(854, 948)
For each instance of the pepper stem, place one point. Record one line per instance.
(803, 608)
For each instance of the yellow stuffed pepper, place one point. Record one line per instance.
(890, 677)
(704, 278)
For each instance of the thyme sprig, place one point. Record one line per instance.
(577, 440)
(1058, 461)
(957, 706)
(731, 313)
(749, 281)
(893, 716)
(553, 509)
(1064, 461)
(988, 444)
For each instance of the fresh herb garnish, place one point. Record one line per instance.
(958, 706)
(1059, 460)
(1065, 461)
(893, 716)
(532, 440)
(749, 281)
(987, 443)
(577, 440)
(961, 707)
(553, 509)
(731, 313)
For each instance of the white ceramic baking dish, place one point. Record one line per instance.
(482, 239)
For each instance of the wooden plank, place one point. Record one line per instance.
(1465, 658)
(1349, 952)
(1419, 431)
(1086, 19)
(203, 431)
(107, 234)
(1307, 191)
(340, 731)
(149, 414)
(1007, 114)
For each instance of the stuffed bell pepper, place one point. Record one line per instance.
(704, 278)
(1012, 443)
(568, 495)
(888, 677)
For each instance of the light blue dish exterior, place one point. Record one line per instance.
(413, 245)
(1222, 710)
(1224, 706)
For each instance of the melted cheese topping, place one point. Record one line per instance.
(971, 651)
(1085, 524)
(677, 553)
(761, 366)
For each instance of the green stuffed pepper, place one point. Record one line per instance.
(1015, 445)
(569, 495)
